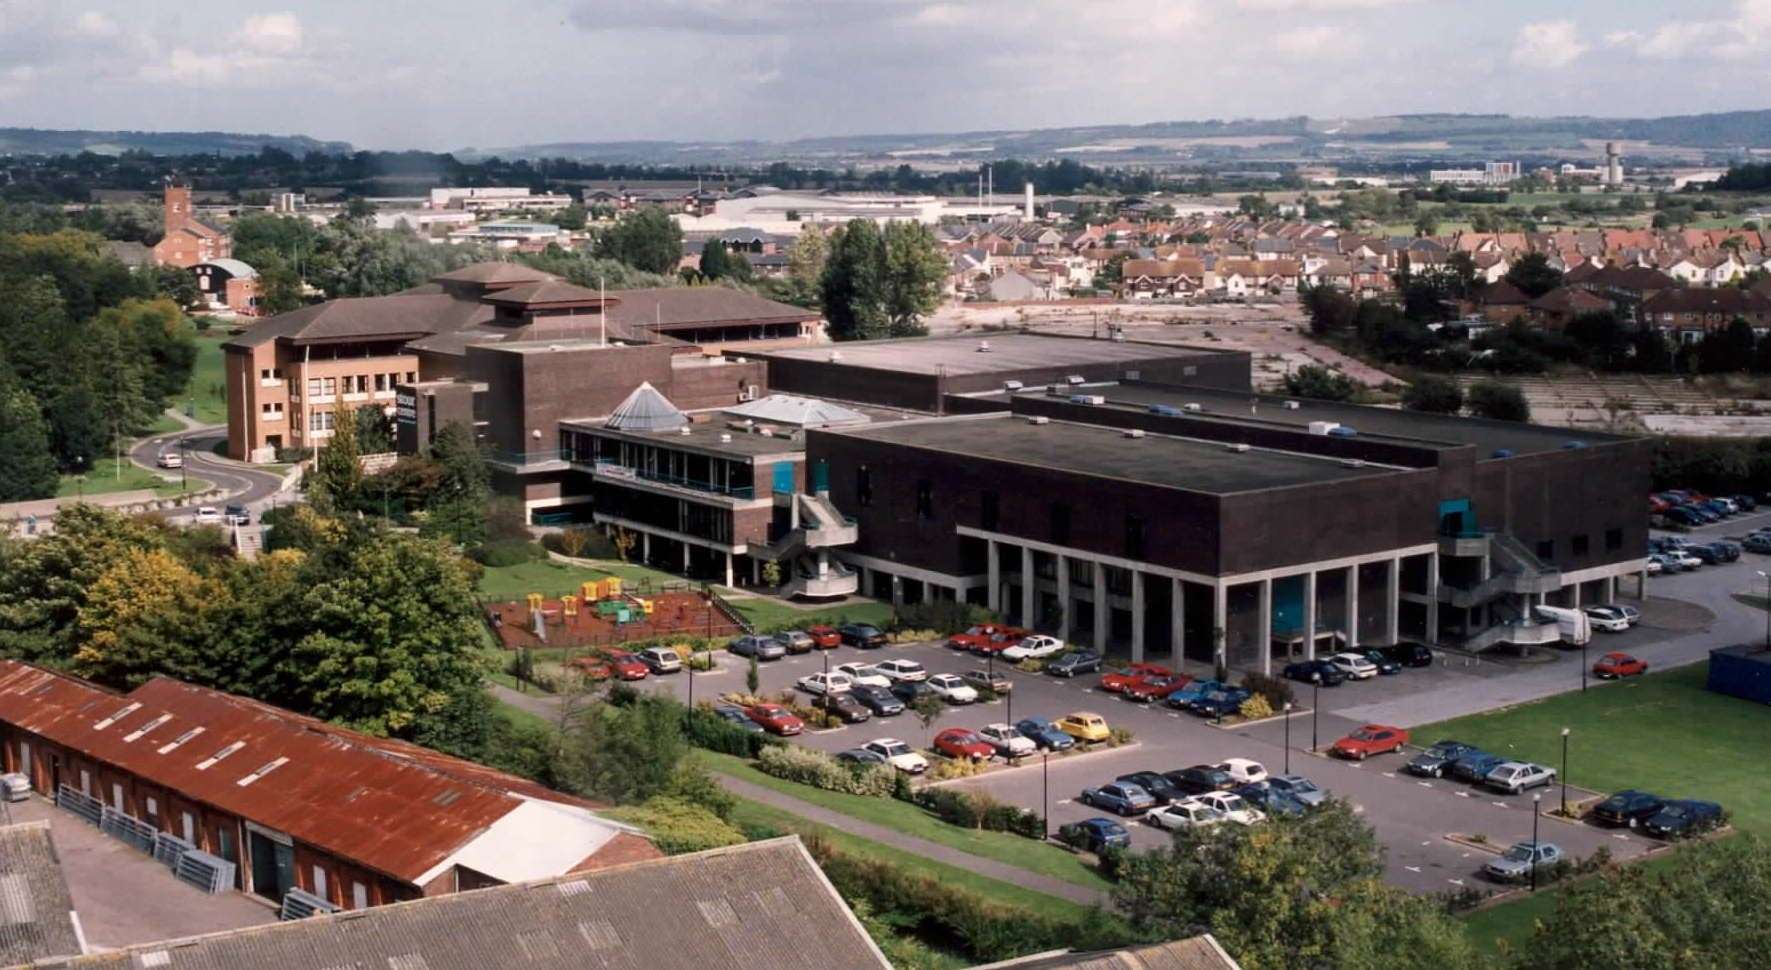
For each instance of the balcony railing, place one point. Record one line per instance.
(617, 470)
(524, 458)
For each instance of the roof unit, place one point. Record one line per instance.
(1343, 431)
(725, 438)
(261, 771)
(1039, 419)
(1353, 463)
(1012, 385)
(983, 346)
(1323, 427)
(1292, 405)
(1239, 448)
(1075, 379)
(1193, 408)
(685, 431)
(1087, 399)
(1058, 388)
(1502, 453)
(1134, 432)
(145, 728)
(181, 739)
(1166, 410)
(1573, 445)
(210, 761)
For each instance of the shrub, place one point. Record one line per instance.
(809, 767)
(943, 617)
(678, 826)
(1433, 394)
(977, 811)
(1031, 666)
(912, 635)
(1255, 708)
(579, 542)
(507, 552)
(946, 769)
(1276, 690)
(705, 729)
(1501, 402)
(1119, 737)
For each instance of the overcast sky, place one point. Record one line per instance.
(444, 74)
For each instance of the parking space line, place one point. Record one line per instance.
(1455, 882)
(1424, 784)
(1412, 868)
(1065, 801)
(1498, 804)
(1389, 774)
(1463, 794)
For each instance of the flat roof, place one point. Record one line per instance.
(959, 356)
(1189, 464)
(702, 436)
(1415, 427)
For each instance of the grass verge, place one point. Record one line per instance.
(105, 480)
(769, 614)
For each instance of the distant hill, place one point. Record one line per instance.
(41, 141)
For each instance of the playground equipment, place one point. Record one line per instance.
(569, 605)
(534, 602)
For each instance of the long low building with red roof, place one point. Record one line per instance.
(294, 801)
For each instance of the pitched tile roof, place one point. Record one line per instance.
(1195, 953)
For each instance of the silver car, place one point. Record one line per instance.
(1514, 777)
(1516, 863)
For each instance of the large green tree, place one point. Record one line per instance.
(27, 467)
(647, 239)
(336, 482)
(626, 754)
(1533, 275)
(853, 288)
(915, 269)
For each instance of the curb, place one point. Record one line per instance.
(1031, 761)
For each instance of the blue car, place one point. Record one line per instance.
(1184, 698)
(1270, 800)
(1300, 788)
(1680, 817)
(1475, 766)
(1044, 735)
(1095, 834)
(1221, 703)
(1120, 798)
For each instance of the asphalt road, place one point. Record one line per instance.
(244, 484)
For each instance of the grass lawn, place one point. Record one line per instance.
(207, 391)
(752, 813)
(1014, 850)
(544, 576)
(768, 614)
(517, 715)
(1515, 920)
(104, 480)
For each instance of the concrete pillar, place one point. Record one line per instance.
(1264, 634)
(1220, 624)
(1310, 615)
(685, 559)
(1177, 619)
(1103, 611)
(1063, 596)
(1352, 606)
(756, 571)
(728, 570)
(1574, 596)
(1137, 616)
(1029, 594)
(646, 547)
(1433, 598)
(1611, 589)
(993, 598)
(1393, 602)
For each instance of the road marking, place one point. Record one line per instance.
(1463, 794)
(1389, 774)
(1498, 804)
(1466, 855)
(1424, 784)
(1064, 801)
(1620, 836)
(1455, 882)
(1358, 809)
(1412, 868)
(1173, 714)
(1427, 842)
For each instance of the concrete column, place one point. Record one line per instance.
(1177, 619)
(685, 559)
(1574, 596)
(1642, 586)
(1063, 597)
(1137, 616)
(1220, 622)
(756, 571)
(1433, 598)
(1029, 595)
(1352, 606)
(728, 570)
(1265, 628)
(1393, 602)
(1310, 615)
(646, 547)
(1103, 611)
(994, 598)
(1611, 589)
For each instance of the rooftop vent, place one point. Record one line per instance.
(1075, 379)
(261, 771)
(1353, 463)
(1134, 432)
(1166, 410)
(983, 346)
(724, 438)
(1194, 408)
(1574, 445)
(181, 739)
(127, 710)
(145, 728)
(1087, 399)
(1039, 419)
(210, 761)
(685, 431)
(1239, 448)
(1012, 385)
(1322, 427)
(1343, 431)
(1292, 405)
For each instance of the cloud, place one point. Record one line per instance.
(271, 33)
(266, 49)
(94, 23)
(1321, 5)
(1319, 41)
(1746, 33)
(1551, 44)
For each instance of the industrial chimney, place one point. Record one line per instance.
(1027, 206)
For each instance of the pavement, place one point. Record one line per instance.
(256, 488)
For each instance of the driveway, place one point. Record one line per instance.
(245, 485)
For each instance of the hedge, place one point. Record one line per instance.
(677, 825)
(815, 768)
(972, 811)
(705, 729)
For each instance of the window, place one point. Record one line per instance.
(153, 809)
(411, 376)
(359, 895)
(331, 386)
(925, 500)
(1061, 523)
(189, 827)
(117, 796)
(1613, 540)
(319, 421)
(380, 382)
(1134, 536)
(320, 883)
(989, 510)
(864, 486)
(1546, 550)
(313, 386)
(1580, 545)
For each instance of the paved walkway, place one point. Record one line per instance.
(1013, 875)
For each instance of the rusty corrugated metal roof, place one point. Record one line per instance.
(390, 806)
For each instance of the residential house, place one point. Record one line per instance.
(1687, 315)
(1560, 306)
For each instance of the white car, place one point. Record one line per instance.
(953, 690)
(832, 683)
(1188, 813)
(867, 674)
(1653, 566)
(898, 754)
(169, 459)
(1685, 559)
(1354, 666)
(1514, 777)
(1607, 618)
(207, 515)
(902, 670)
(1033, 648)
(1008, 742)
(1630, 613)
(1245, 772)
(1233, 808)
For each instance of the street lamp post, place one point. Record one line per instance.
(184, 481)
(1315, 708)
(1564, 772)
(1767, 578)
(1045, 795)
(1288, 737)
(1535, 800)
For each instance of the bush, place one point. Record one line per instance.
(705, 729)
(1276, 690)
(944, 617)
(974, 811)
(1320, 383)
(1436, 395)
(507, 552)
(678, 826)
(1255, 708)
(1501, 402)
(947, 769)
(579, 542)
(808, 767)
(1031, 666)
(1119, 737)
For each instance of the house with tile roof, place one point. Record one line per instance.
(188, 239)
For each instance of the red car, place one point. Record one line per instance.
(1369, 740)
(981, 638)
(776, 719)
(1619, 665)
(1155, 688)
(961, 743)
(626, 665)
(592, 668)
(1117, 681)
(825, 637)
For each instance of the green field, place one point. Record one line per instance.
(207, 391)
(104, 480)
(1009, 849)
(549, 578)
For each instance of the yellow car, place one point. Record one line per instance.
(1084, 726)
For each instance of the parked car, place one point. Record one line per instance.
(1517, 863)
(1159, 688)
(777, 719)
(1707, 555)
(1188, 813)
(1681, 817)
(1758, 544)
(1354, 665)
(1221, 703)
(1628, 807)
(1686, 559)
(797, 641)
(1233, 807)
(1606, 618)
(899, 755)
(1008, 742)
(762, 648)
(1438, 759)
(844, 706)
(1200, 779)
(824, 637)
(952, 689)
(962, 744)
(1117, 680)
(986, 638)
(734, 714)
(1084, 726)
(236, 515)
(1630, 613)
(911, 691)
(627, 666)
(1316, 671)
(1243, 770)
(1095, 835)
(1746, 502)
(982, 679)
(1271, 800)
(1300, 788)
(1369, 740)
(1073, 663)
(898, 669)
(1045, 734)
(1119, 797)
(1408, 653)
(1385, 665)
(1514, 777)
(1156, 783)
(206, 515)
(881, 702)
(169, 459)
(863, 635)
(862, 673)
(661, 660)
(831, 683)
(1182, 700)
(1034, 647)
(1617, 665)
(1475, 766)
(862, 757)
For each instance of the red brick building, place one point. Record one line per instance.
(188, 240)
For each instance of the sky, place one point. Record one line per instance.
(451, 74)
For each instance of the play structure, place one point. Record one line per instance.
(605, 612)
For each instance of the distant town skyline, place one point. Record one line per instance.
(447, 74)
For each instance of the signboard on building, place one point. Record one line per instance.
(406, 407)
